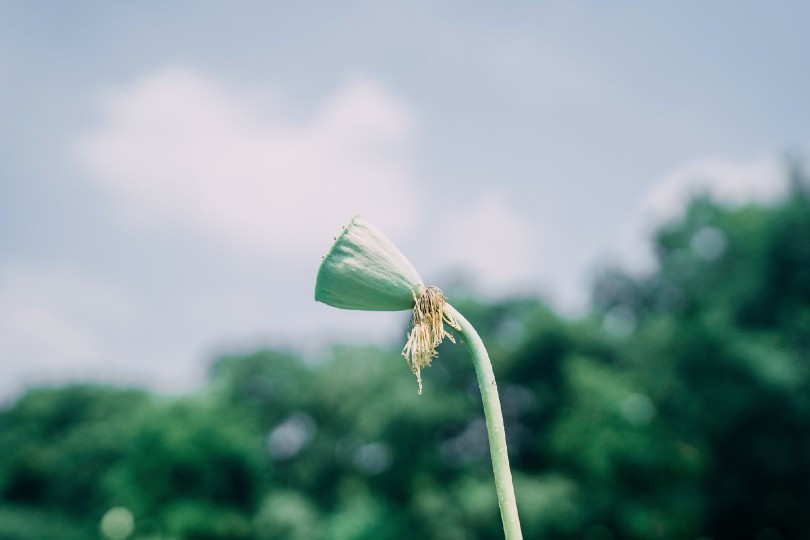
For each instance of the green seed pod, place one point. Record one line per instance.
(364, 270)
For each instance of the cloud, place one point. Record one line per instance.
(57, 325)
(60, 324)
(728, 181)
(179, 149)
(488, 238)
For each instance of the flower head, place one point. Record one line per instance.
(364, 270)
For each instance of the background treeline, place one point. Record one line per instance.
(678, 408)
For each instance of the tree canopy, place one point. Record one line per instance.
(679, 407)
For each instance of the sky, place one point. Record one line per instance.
(172, 174)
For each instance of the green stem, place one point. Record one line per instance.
(495, 429)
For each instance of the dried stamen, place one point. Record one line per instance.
(429, 316)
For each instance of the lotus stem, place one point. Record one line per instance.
(495, 427)
(365, 270)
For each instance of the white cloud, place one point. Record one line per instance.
(177, 148)
(490, 239)
(58, 325)
(728, 181)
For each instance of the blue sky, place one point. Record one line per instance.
(170, 174)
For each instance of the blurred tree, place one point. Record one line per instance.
(194, 466)
(678, 408)
(57, 447)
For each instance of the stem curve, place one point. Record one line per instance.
(495, 427)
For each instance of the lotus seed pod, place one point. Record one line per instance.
(365, 270)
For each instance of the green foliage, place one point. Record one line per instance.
(678, 408)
